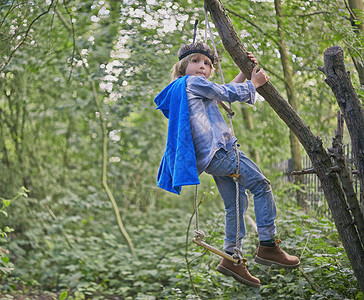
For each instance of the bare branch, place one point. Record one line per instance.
(254, 25)
(305, 171)
(266, 34)
(310, 14)
(272, 72)
(349, 9)
(8, 12)
(7, 60)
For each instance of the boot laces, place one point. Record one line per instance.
(242, 261)
(278, 241)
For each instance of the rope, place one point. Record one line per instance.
(213, 43)
(199, 234)
(196, 207)
(237, 252)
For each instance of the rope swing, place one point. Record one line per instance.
(199, 234)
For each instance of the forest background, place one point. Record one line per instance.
(81, 142)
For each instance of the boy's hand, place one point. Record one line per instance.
(258, 78)
(252, 58)
(241, 77)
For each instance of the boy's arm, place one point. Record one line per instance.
(200, 87)
(258, 78)
(240, 78)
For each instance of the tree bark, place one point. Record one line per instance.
(288, 82)
(312, 144)
(345, 174)
(5, 156)
(339, 81)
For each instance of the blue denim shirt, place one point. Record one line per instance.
(209, 130)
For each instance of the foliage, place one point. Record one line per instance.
(83, 255)
(6, 266)
(310, 28)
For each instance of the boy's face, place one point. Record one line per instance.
(199, 65)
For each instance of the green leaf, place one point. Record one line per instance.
(360, 296)
(23, 192)
(63, 295)
(8, 229)
(6, 202)
(5, 259)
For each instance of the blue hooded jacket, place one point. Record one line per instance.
(178, 166)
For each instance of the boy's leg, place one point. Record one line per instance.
(225, 163)
(222, 165)
(265, 214)
(253, 179)
(227, 190)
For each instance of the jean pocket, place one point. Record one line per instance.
(217, 161)
(220, 154)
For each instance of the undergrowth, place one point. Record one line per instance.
(81, 255)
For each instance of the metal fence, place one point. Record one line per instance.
(314, 195)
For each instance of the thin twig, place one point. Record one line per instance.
(55, 218)
(308, 278)
(349, 9)
(7, 60)
(262, 31)
(8, 12)
(305, 171)
(310, 281)
(51, 25)
(253, 24)
(268, 70)
(310, 14)
(186, 250)
(168, 252)
(251, 221)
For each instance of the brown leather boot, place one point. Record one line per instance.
(239, 272)
(275, 255)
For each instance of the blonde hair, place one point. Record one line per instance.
(179, 68)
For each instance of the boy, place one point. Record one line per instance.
(199, 140)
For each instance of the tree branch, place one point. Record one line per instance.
(271, 37)
(8, 12)
(254, 25)
(7, 60)
(188, 263)
(311, 14)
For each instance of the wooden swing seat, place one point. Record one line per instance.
(216, 251)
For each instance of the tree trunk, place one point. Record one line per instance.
(345, 173)
(288, 82)
(5, 156)
(312, 144)
(339, 81)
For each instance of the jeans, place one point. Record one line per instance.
(223, 164)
